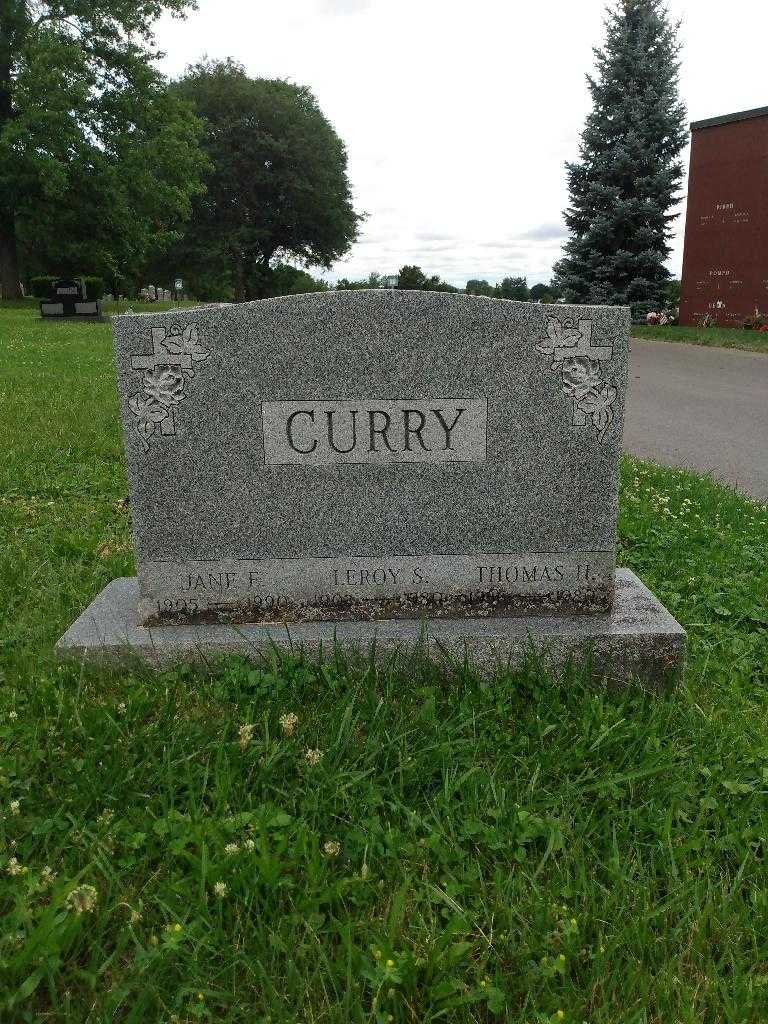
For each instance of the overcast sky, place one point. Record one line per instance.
(458, 117)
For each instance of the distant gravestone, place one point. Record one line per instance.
(351, 464)
(69, 300)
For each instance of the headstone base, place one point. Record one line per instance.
(638, 639)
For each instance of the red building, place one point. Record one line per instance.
(725, 259)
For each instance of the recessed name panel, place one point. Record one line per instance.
(320, 433)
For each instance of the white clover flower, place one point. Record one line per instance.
(313, 757)
(245, 733)
(15, 806)
(12, 715)
(249, 845)
(122, 707)
(288, 723)
(83, 899)
(220, 888)
(231, 848)
(332, 848)
(47, 875)
(13, 867)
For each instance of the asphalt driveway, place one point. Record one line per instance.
(700, 408)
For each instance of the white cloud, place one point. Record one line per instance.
(342, 6)
(458, 121)
(545, 232)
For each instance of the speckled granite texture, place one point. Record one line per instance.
(425, 453)
(637, 639)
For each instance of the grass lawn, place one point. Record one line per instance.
(520, 849)
(723, 337)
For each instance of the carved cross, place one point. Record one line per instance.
(584, 346)
(161, 357)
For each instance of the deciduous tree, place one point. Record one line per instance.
(97, 162)
(513, 288)
(478, 287)
(278, 185)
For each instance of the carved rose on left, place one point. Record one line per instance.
(164, 385)
(149, 413)
(166, 374)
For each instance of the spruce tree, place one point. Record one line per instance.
(626, 181)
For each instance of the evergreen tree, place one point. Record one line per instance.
(626, 181)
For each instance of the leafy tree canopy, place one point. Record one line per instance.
(411, 277)
(372, 281)
(479, 287)
(277, 187)
(542, 293)
(98, 162)
(513, 288)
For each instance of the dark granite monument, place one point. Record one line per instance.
(69, 300)
(359, 464)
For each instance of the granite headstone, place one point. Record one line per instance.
(369, 463)
(69, 300)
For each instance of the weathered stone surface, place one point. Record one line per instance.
(638, 638)
(373, 455)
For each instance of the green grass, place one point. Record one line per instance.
(723, 337)
(508, 849)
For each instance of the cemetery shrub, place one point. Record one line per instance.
(94, 288)
(42, 285)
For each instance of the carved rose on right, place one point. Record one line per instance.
(578, 361)
(580, 376)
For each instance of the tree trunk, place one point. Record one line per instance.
(11, 19)
(9, 258)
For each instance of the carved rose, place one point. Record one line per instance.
(580, 377)
(148, 413)
(162, 388)
(164, 385)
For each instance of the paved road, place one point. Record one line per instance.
(700, 408)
